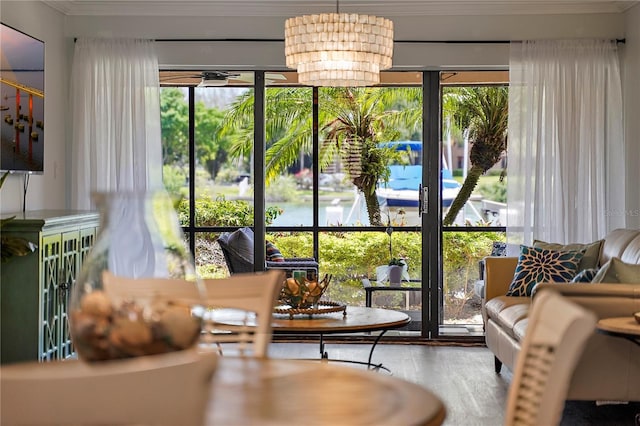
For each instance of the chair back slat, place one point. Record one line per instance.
(253, 297)
(556, 334)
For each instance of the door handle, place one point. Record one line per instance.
(423, 200)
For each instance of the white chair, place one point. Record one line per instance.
(240, 310)
(167, 389)
(556, 335)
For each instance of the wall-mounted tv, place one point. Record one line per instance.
(21, 102)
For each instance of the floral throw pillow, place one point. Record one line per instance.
(536, 265)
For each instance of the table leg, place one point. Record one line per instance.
(323, 353)
(375, 342)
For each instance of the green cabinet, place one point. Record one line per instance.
(35, 290)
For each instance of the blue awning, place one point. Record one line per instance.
(402, 145)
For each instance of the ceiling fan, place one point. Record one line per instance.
(215, 78)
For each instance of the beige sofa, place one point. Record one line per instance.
(609, 368)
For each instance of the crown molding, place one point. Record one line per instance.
(287, 8)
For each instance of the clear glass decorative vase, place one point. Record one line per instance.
(136, 291)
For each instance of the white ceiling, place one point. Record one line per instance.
(285, 8)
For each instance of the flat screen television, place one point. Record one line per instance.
(21, 102)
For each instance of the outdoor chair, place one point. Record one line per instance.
(237, 248)
(557, 332)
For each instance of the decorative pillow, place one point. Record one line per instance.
(241, 243)
(585, 276)
(536, 265)
(273, 254)
(591, 251)
(617, 271)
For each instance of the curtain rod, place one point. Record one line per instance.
(281, 40)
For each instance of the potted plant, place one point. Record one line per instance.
(395, 270)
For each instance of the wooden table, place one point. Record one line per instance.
(357, 320)
(625, 327)
(249, 391)
(354, 320)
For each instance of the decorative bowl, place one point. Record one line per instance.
(637, 317)
(303, 293)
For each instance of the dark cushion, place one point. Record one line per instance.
(237, 247)
(240, 242)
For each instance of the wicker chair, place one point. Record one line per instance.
(557, 332)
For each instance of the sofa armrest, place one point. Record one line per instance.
(605, 300)
(498, 274)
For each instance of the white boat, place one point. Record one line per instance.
(401, 190)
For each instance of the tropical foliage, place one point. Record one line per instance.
(483, 112)
(352, 122)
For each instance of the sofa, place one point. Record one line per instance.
(609, 368)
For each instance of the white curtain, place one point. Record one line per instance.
(115, 99)
(566, 178)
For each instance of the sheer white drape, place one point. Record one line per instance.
(116, 118)
(566, 179)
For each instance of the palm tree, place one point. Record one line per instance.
(352, 123)
(484, 112)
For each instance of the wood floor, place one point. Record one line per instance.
(462, 376)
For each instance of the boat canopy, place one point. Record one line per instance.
(402, 145)
(410, 177)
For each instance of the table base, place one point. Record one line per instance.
(370, 366)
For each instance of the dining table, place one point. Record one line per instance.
(262, 391)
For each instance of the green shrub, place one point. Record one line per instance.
(461, 253)
(222, 212)
(351, 256)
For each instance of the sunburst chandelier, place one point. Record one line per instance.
(338, 49)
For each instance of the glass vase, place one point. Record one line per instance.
(136, 289)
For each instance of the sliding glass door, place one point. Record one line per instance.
(357, 178)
